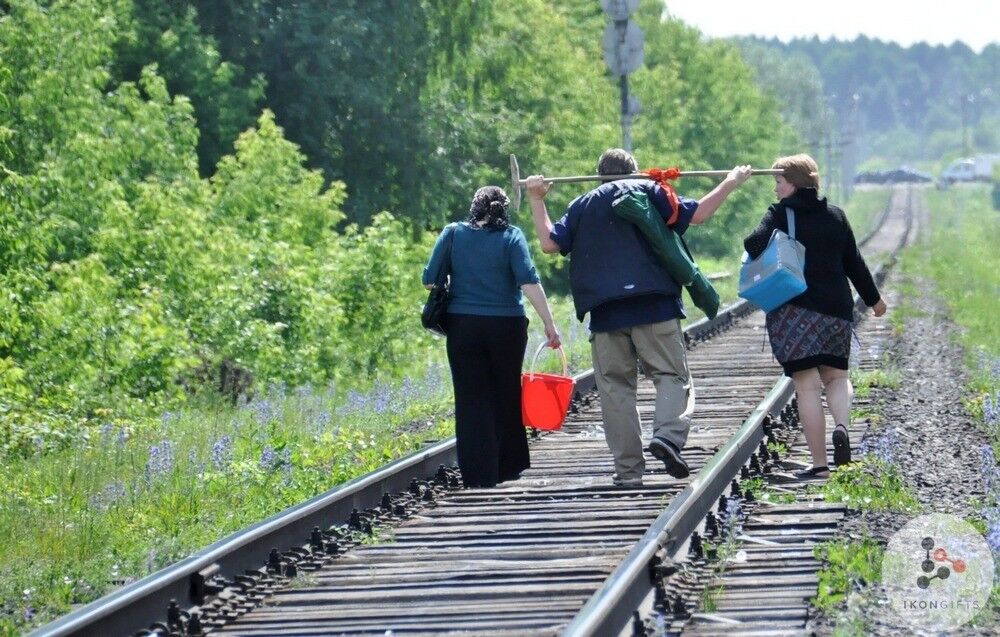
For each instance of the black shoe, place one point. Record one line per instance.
(665, 450)
(841, 446)
(813, 473)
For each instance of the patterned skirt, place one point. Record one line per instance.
(802, 339)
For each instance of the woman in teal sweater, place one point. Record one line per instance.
(487, 334)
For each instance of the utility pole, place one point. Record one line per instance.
(964, 100)
(623, 53)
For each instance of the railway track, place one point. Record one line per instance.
(404, 550)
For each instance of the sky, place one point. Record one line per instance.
(974, 22)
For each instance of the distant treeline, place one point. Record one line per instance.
(871, 99)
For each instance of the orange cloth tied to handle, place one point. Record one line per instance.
(663, 176)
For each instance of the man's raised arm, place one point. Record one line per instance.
(537, 189)
(708, 204)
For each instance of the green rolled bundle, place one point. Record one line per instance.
(703, 295)
(635, 208)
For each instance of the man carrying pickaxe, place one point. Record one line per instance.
(635, 306)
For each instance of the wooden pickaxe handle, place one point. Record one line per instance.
(683, 173)
(518, 184)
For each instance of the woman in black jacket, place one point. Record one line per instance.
(811, 334)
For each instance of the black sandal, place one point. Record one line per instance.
(812, 473)
(841, 446)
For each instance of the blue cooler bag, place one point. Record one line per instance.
(776, 276)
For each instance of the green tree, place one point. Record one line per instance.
(225, 97)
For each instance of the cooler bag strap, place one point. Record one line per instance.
(790, 216)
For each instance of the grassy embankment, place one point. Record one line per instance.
(957, 255)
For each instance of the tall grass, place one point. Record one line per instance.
(78, 523)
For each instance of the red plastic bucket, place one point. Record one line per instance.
(545, 397)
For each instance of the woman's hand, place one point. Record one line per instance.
(552, 334)
(537, 187)
(879, 308)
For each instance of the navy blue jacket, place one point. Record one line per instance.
(610, 257)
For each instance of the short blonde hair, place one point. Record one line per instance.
(799, 170)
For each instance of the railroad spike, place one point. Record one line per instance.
(659, 597)
(441, 477)
(173, 614)
(274, 561)
(638, 626)
(767, 425)
(194, 628)
(316, 539)
(679, 609)
(386, 504)
(734, 489)
(696, 549)
(711, 524)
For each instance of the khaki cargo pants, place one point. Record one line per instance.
(659, 348)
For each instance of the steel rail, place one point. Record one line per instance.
(611, 607)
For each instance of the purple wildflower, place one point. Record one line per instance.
(991, 409)
(732, 517)
(106, 430)
(277, 390)
(268, 458)
(408, 390)
(882, 447)
(286, 464)
(991, 473)
(222, 452)
(381, 399)
(108, 496)
(992, 517)
(263, 413)
(304, 392)
(161, 460)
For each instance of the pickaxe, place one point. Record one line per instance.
(517, 184)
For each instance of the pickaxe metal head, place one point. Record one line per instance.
(515, 182)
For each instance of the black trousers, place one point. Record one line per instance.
(485, 354)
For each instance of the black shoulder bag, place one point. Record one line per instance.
(436, 306)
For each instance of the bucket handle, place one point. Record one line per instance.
(534, 359)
